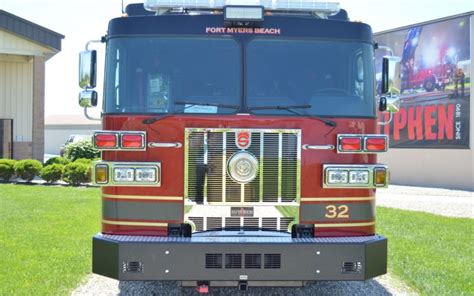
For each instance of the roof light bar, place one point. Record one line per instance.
(317, 7)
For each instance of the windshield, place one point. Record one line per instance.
(156, 75)
(329, 78)
(150, 75)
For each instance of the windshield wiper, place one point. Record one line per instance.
(291, 109)
(190, 105)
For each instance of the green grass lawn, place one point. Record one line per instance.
(45, 238)
(432, 254)
(45, 243)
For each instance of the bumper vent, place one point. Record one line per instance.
(272, 261)
(253, 261)
(213, 261)
(132, 266)
(233, 261)
(351, 267)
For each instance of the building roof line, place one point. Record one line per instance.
(30, 30)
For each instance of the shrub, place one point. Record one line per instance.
(76, 173)
(57, 160)
(83, 160)
(7, 169)
(27, 169)
(81, 149)
(52, 172)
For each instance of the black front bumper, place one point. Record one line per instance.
(234, 256)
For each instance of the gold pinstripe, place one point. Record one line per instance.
(131, 223)
(368, 198)
(142, 197)
(345, 224)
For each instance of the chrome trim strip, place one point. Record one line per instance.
(224, 166)
(318, 147)
(186, 161)
(206, 152)
(298, 168)
(346, 167)
(280, 164)
(246, 204)
(255, 130)
(164, 145)
(262, 150)
(242, 193)
(133, 165)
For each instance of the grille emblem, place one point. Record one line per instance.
(243, 139)
(242, 167)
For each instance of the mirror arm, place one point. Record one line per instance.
(388, 121)
(92, 41)
(86, 114)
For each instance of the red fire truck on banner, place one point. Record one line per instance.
(239, 144)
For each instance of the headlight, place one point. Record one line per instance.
(359, 177)
(355, 176)
(127, 174)
(337, 177)
(122, 174)
(145, 174)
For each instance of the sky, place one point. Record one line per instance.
(84, 20)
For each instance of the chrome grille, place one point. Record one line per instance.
(207, 181)
(247, 223)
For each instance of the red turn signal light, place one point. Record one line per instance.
(106, 140)
(376, 144)
(350, 144)
(132, 141)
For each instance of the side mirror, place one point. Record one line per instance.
(88, 98)
(391, 82)
(389, 104)
(87, 69)
(389, 100)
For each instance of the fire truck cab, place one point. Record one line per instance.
(239, 144)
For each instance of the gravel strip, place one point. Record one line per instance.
(450, 203)
(384, 285)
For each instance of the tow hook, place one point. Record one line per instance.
(202, 287)
(243, 285)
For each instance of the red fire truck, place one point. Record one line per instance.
(238, 145)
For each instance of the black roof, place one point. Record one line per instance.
(287, 26)
(29, 30)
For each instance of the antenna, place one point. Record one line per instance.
(123, 11)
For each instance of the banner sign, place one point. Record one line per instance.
(435, 84)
